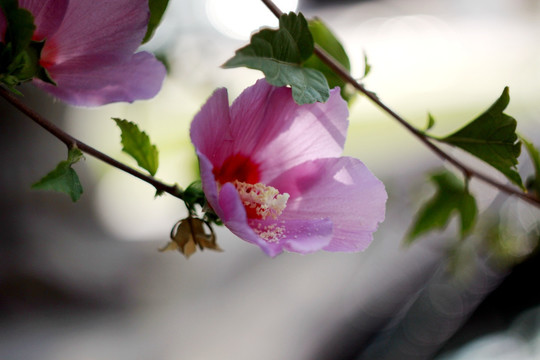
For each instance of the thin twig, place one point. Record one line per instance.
(467, 171)
(71, 142)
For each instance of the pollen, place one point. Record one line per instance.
(261, 201)
(271, 233)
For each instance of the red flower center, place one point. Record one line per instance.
(237, 167)
(259, 200)
(48, 55)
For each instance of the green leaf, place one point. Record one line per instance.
(326, 40)
(157, 9)
(367, 66)
(137, 144)
(294, 30)
(430, 122)
(279, 54)
(63, 178)
(450, 197)
(534, 181)
(492, 138)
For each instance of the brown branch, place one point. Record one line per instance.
(467, 171)
(71, 142)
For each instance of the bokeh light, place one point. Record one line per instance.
(239, 18)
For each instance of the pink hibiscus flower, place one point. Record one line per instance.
(272, 171)
(90, 49)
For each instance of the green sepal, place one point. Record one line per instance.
(24, 67)
(492, 137)
(26, 64)
(17, 61)
(211, 217)
(44, 76)
(451, 197)
(137, 144)
(323, 37)
(157, 9)
(194, 194)
(280, 54)
(19, 55)
(63, 178)
(39, 71)
(20, 25)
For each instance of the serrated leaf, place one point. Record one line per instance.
(279, 54)
(308, 85)
(295, 27)
(492, 138)
(157, 9)
(63, 178)
(534, 181)
(327, 40)
(451, 197)
(137, 144)
(189, 233)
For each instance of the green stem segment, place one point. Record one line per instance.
(71, 142)
(467, 172)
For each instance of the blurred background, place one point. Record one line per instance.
(85, 281)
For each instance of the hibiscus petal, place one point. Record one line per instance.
(279, 134)
(335, 203)
(210, 128)
(306, 237)
(228, 206)
(113, 29)
(79, 83)
(48, 15)
(342, 189)
(209, 184)
(234, 217)
(300, 236)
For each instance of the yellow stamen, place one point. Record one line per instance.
(265, 200)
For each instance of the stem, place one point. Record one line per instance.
(71, 142)
(273, 8)
(467, 171)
